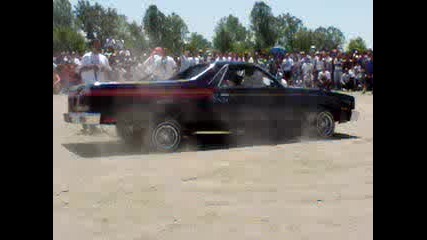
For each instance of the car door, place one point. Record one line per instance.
(246, 106)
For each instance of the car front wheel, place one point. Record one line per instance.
(164, 135)
(325, 124)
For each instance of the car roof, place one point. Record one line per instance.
(237, 64)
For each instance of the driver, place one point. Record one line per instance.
(234, 79)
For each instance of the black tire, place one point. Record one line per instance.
(320, 124)
(163, 135)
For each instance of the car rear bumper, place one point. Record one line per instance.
(354, 115)
(83, 118)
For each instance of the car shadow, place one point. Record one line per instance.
(200, 143)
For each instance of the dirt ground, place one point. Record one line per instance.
(318, 189)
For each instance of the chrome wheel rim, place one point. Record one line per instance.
(165, 137)
(325, 124)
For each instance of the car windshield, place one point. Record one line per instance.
(190, 72)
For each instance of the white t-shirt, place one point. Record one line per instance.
(90, 76)
(287, 64)
(326, 74)
(164, 68)
(307, 68)
(185, 63)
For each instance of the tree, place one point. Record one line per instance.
(230, 35)
(197, 42)
(222, 40)
(287, 27)
(357, 44)
(335, 38)
(320, 36)
(304, 39)
(62, 14)
(328, 38)
(66, 39)
(89, 18)
(136, 40)
(154, 23)
(263, 23)
(175, 33)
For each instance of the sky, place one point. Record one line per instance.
(353, 18)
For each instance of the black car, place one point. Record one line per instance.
(221, 98)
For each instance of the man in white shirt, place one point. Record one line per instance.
(185, 62)
(325, 79)
(94, 66)
(165, 67)
(287, 64)
(307, 73)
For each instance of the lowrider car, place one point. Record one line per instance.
(221, 97)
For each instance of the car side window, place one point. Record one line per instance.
(256, 79)
(216, 80)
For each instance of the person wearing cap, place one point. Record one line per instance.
(94, 66)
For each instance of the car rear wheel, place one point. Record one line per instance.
(164, 135)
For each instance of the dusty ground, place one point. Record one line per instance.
(296, 190)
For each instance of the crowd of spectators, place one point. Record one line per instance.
(317, 69)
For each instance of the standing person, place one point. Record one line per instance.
(165, 66)
(94, 66)
(56, 81)
(287, 64)
(337, 64)
(318, 66)
(185, 62)
(369, 69)
(307, 73)
(296, 70)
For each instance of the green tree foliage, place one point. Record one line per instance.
(166, 31)
(135, 39)
(263, 24)
(97, 21)
(357, 44)
(197, 42)
(230, 35)
(89, 18)
(67, 39)
(287, 28)
(303, 40)
(62, 14)
(175, 33)
(328, 38)
(154, 23)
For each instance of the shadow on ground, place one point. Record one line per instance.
(201, 143)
